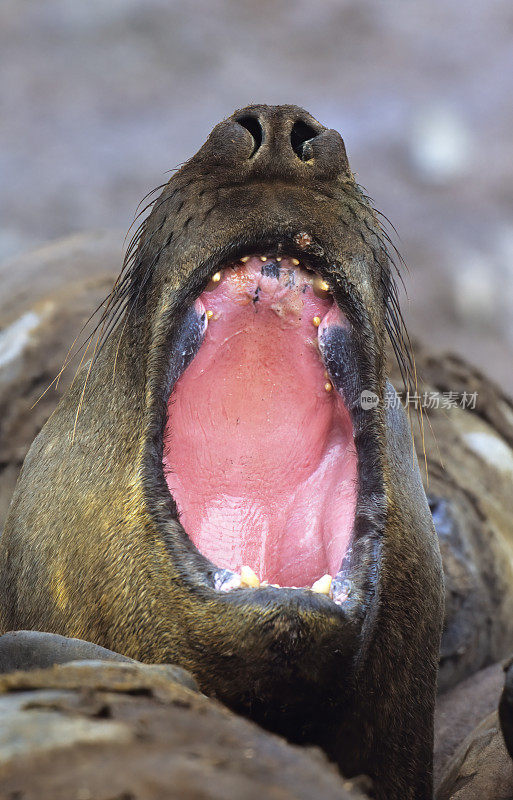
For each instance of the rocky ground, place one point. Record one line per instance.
(107, 731)
(100, 730)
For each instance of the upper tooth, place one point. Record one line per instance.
(263, 258)
(214, 280)
(244, 259)
(320, 287)
(295, 261)
(323, 585)
(249, 578)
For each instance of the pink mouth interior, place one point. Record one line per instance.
(258, 452)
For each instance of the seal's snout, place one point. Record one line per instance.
(279, 140)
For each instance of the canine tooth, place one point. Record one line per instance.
(249, 578)
(279, 258)
(216, 277)
(316, 321)
(263, 258)
(328, 386)
(210, 313)
(295, 261)
(323, 585)
(244, 259)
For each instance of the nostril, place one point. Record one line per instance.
(252, 125)
(300, 136)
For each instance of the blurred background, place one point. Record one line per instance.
(99, 99)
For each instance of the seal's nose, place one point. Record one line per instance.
(254, 128)
(284, 136)
(300, 136)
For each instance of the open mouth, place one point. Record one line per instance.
(259, 448)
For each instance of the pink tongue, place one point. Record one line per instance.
(258, 455)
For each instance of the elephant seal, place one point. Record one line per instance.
(231, 434)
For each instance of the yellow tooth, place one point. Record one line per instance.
(323, 585)
(328, 386)
(249, 578)
(263, 258)
(326, 373)
(244, 259)
(321, 287)
(214, 280)
(279, 258)
(316, 321)
(295, 261)
(210, 313)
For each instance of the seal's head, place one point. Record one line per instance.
(238, 499)
(269, 288)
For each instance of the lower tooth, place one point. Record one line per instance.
(249, 578)
(323, 585)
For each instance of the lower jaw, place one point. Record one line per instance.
(259, 453)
